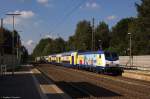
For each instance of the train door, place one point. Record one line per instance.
(59, 59)
(72, 60)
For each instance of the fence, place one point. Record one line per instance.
(141, 62)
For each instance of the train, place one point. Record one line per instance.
(105, 62)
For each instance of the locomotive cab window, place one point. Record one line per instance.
(115, 56)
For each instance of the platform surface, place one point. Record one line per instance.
(137, 74)
(28, 83)
(18, 86)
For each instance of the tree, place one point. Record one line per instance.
(54, 46)
(60, 45)
(70, 44)
(102, 36)
(49, 46)
(143, 27)
(83, 36)
(24, 54)
(38, 50)
(6, 40)
(119, 36)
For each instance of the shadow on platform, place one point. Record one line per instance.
(85, 87)
(22, 86)
(18, 86)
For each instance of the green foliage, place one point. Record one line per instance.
(120, 37)
(82, 37)
(24, 54)
(142, 37)
(49, 46)
(140, 29)
(6, 43)
(38, 51)
(70, 44)
(102, 36)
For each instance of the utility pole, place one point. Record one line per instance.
(93, 35)
(13, 49)
(1, 22)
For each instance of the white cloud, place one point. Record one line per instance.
(50, 36)
(92, 5)
(29, 43)
(112, 17)
(42, 1)
(24, 13)
(27, 14)
(19, 19)
(45, 3)
(23, 42)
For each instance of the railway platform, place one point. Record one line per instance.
(28, 83)
(137, 74)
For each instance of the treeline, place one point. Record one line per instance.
(6, 44)
(49, 46)
(114, 39)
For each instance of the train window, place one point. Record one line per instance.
(111, 55)
(114, 55)
(66, 62)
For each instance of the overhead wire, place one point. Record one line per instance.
(57, 18)
(68, 14)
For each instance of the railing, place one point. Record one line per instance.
(142, 68)
(129, 67)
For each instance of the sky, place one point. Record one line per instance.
(58, 18)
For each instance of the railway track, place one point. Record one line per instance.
(75, 90)
(82, 84)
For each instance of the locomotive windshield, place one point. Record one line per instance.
(111, 56)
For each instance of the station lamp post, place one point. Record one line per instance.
(13, 49)
(130, 48)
